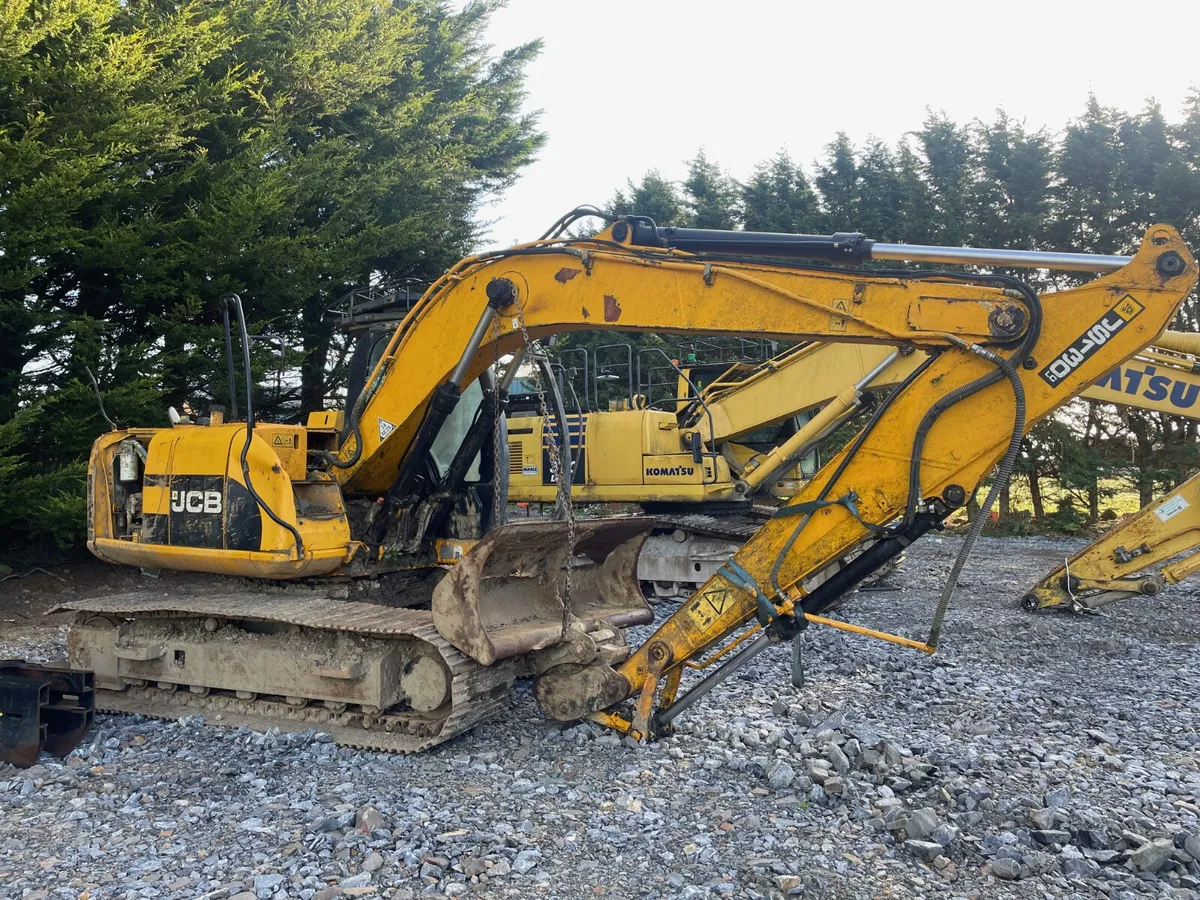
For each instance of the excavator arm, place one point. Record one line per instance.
(1000, 359)
(1114, 566)
(492, 305)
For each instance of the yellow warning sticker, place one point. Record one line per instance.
(836, 322)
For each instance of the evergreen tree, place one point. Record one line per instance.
(710, 197)
(153, 157)
(879, 206)
(1088, 202)
(947, 170)
(779, 198)
(653, 196)
(1011, 196)
(917, 220)
(837, 180)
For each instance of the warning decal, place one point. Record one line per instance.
(385, 428)
(836, 322)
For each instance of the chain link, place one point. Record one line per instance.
(499, 512)
(563, 500)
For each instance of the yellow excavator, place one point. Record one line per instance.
(1166, 379)
(390, 489)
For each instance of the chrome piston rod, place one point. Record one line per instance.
(850, 247)
(977, 256)
(705, 687)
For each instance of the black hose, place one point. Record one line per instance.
(565, 221)
(1004, 367)
(1003, 473)
(100, 400)
(855, 446)
(229, 363)
(355, 414)
(236, 301)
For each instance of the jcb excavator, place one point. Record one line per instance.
(1166, 379)
(548, 600)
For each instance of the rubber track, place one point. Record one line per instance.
(477, 692)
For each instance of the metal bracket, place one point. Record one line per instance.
(42, 708)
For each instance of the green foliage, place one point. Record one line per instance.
(778, 197)
(154, 156)
(653, 196)
(710, 197)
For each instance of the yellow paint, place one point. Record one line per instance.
(648, 291)
(326, 420)
(871, 632)
(215, 451)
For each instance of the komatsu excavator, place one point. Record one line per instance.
(391, 488)
(684, 465)
(1166, 379)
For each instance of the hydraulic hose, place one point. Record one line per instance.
(1004, 368)
(855, 446)
(352, 460)
(232, 299)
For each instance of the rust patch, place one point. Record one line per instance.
(565, 274)
(586, 314)
(612, 309)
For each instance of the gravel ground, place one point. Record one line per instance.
(1033, 756)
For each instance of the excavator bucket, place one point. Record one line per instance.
(515, 590)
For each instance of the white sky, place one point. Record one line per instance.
(628, 86)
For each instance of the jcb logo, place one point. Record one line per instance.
(196, 501)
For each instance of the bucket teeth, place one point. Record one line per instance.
(509, 595)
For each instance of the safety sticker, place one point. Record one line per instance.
(1171, 508)
(836, 322)
(1091, 340)
(385, 428)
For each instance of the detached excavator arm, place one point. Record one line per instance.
(1113, 567)
(1000, 360)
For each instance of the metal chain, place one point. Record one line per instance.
(563, 495)
(499, 516)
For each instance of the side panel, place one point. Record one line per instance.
(195, 494)
(617, 445)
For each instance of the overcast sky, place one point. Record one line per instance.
(627, 86)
